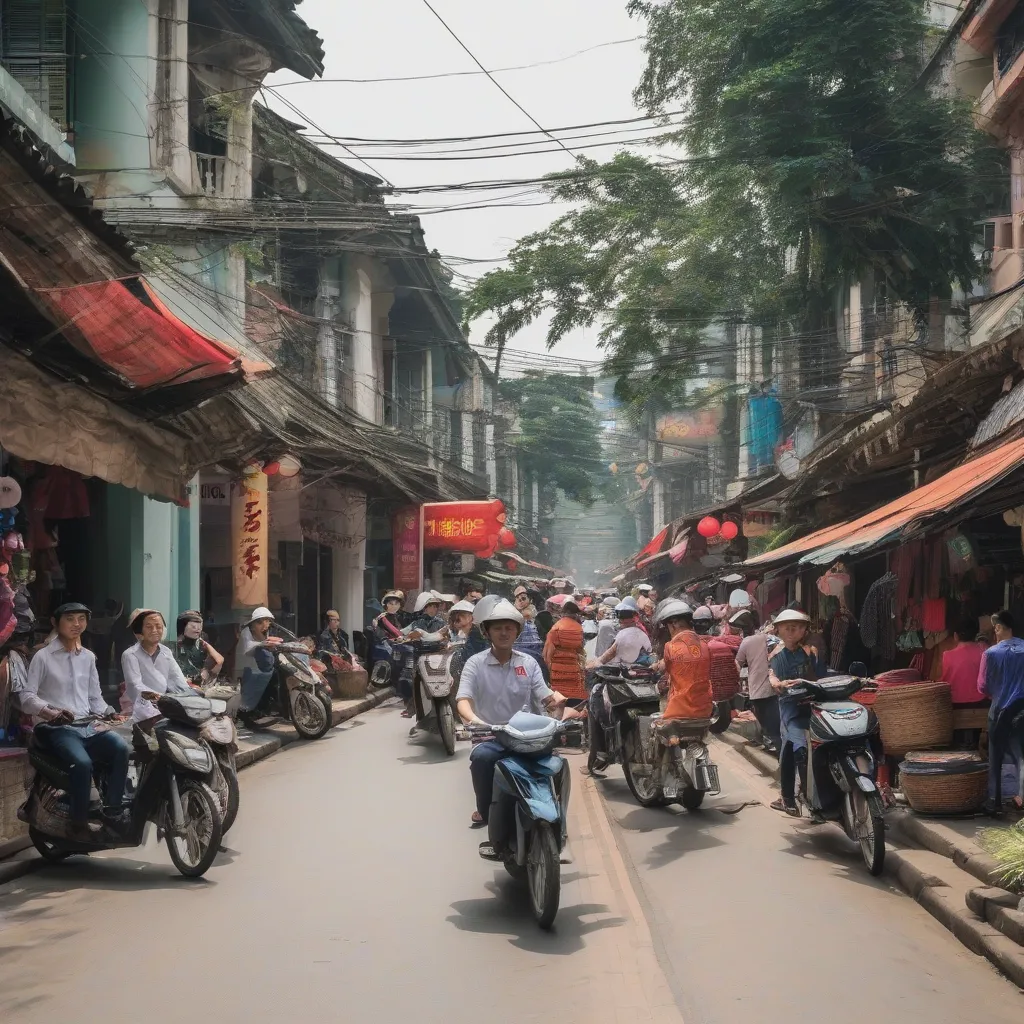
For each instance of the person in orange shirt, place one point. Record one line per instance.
(687, 661)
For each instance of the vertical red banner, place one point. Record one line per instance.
(407, 535)
(249, 530)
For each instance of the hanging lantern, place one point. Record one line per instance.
(506, 538)
(511, 565)
(730, 531)
(272, 468)
(289, 466)
(709, 527)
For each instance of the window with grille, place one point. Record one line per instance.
(34, 51)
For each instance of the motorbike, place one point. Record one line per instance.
(667, 761)
(433, 690)
(527, 821)
(175, 768)
(631, 693)
(220, 732)
(838, 781)
(297, 692)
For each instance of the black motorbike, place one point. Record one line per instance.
(296, 692)
(619, 699)
(843, 749)
(176, 768)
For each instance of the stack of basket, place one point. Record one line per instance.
(944, 782)
(914, 716)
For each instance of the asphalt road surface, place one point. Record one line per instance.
(350, 890)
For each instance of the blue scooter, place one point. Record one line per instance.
(527, 821)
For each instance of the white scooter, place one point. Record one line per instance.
(433, 689)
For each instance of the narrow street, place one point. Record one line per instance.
(350, 889)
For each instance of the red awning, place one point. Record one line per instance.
(652, 547)
(141, 340)
(942, 495)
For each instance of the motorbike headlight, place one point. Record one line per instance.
(188, 753)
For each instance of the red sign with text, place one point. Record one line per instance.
(472, 527)
(406, 534)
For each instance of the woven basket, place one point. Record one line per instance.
(914, 716)
(931, 787)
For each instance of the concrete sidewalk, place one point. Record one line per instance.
(939, 863)
(17, 856)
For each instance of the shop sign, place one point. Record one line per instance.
(215, 492)
(407, 537)
(695, 428)
(249, 532)
(470, 526)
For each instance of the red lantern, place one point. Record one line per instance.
(730, 531)
(507, 539)
(709, 527)
(272, 468)
(511, 565)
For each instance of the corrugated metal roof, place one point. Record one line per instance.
(941, 495)
(1007, 411)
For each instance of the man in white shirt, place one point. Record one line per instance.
(630, 641)
(494, 685)
(149, 667)
(63, 688)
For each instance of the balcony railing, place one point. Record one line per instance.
(1010, 41)
(209, 174)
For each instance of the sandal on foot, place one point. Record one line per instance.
(781, 805)
(487, 852)
(476, 821)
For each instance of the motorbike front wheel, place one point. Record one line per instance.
(446, 724)
(543, 874)
(865, 818)
(194, 850)
(310, 715)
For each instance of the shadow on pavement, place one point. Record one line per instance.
(508, 912)
(830, 844)
(100, 873)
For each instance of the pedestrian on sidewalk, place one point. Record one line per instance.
(1001, 677)
(752, 655)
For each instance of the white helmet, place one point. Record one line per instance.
(462, 606)
(483, 607)
(502, 611)
(258, 613)
(792, 615)
(703, 614)
(427, 597)
(672, 609)
(739, 599)
(644, 588)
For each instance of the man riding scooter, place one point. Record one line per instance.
(62, 694)
(495, 684)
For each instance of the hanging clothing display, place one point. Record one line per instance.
(765, 429)
(878, 616)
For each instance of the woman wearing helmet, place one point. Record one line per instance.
(494, 685)
(563, 653)
(687, 662)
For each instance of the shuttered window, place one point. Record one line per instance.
(34, 50)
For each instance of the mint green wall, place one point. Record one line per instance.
(112, 92)
(122, 568)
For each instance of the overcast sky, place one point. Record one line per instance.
(402, 37)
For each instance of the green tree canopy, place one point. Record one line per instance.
(559, 433)
(813, 155)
